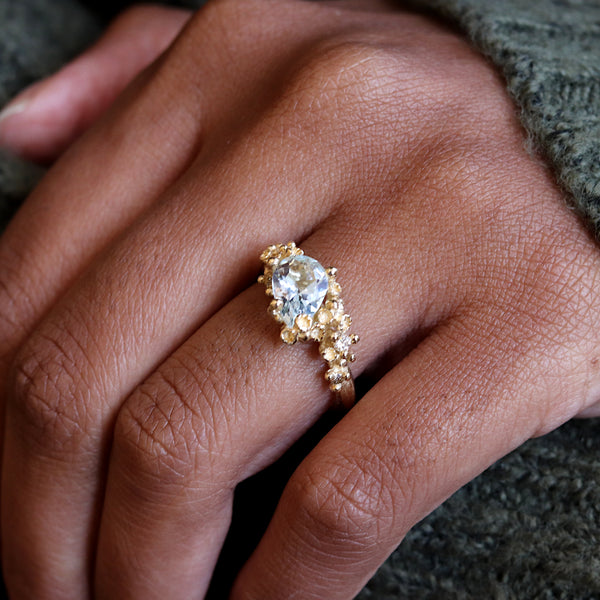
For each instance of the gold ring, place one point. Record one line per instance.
(307, 302)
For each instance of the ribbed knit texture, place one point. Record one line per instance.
(529, 527)
(549, 52)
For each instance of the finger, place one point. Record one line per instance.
(97, 190)
(67, 220)
(223, 406)
(462, 399)
(61, 229)
(45, 119)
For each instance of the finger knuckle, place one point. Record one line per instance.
(344, 77)
(160, 434)
(344, 501)
(46, 395)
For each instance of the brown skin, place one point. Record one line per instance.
(142, 391)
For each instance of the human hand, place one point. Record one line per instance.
(386, 147)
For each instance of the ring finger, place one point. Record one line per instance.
(226, 404)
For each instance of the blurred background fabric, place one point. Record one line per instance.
(528, 527)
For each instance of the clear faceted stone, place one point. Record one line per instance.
(300, 282)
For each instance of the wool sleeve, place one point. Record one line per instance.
(549, 53)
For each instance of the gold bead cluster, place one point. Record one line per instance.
(329, 326)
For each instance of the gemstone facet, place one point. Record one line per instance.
(301, 283)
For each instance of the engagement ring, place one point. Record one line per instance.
(307, 302)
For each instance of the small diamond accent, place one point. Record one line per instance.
(343, 343)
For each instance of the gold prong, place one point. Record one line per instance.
(303, 322)
(269, 291)
(316, 333)
(331, 271)
(328, 354)
(261, 279)
(289, 335)
(335, 289)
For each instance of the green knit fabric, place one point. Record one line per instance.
(36, 38)
(549, 52)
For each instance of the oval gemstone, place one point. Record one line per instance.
(301, 283)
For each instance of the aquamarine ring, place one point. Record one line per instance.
(307, 302)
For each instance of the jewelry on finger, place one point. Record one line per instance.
(307, 302)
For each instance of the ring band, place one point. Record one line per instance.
(307, 302)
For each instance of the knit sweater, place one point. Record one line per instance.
(528, 527)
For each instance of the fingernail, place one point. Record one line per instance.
(13, 108)
(22, 101)
(8, 130)
(17, 106)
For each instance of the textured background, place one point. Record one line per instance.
(527, 528)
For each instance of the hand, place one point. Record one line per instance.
(150, 379)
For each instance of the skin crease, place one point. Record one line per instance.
(137, 352)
